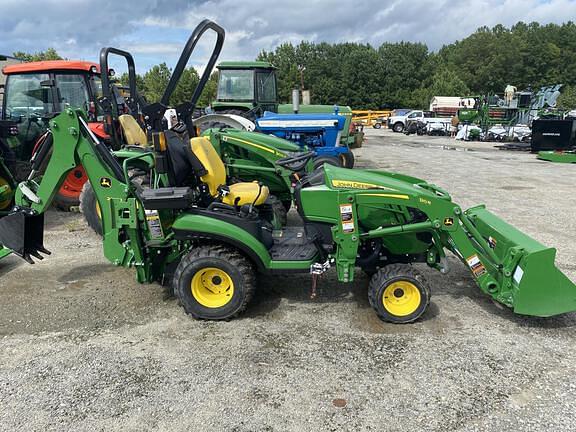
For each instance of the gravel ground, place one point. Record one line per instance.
(84, 347)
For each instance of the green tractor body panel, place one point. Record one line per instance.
(189, 226)
(558, 156)
(226, 106)
(252, 156)
(269, 145)
(245, 65)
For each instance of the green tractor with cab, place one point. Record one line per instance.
(248, 89)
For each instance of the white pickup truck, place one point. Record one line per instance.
(399, 123)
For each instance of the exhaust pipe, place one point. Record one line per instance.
(296, 100)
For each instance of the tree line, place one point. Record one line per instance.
(402, 74)
(408, 74)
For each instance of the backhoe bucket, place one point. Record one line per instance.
(529, 280)
(22, 231)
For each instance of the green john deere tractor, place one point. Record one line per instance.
(378, 221)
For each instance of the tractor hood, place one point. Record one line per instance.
(342, 178)
(271, 122)
(278, 146)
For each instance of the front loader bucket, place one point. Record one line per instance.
(528, 278)
(22, 231)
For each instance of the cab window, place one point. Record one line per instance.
(73, 91)
(266, 85)
(236, 85)
(26, 97)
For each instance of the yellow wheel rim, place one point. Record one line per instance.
(212, 287)
(401, 298)
(6, 197)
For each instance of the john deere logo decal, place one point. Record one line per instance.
(105, 182)
(349, 184)
(448, 221)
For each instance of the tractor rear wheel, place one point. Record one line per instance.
(69, 194)
(330, 160)
(90, 208)
(214, 282)
(398, 293)
(347, 159)
(7, 196)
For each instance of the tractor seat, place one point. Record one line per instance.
(237, 194)
(132, 131)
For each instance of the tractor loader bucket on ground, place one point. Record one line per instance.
(22, 231)
(527, 278)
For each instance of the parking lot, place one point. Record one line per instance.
(84, 347)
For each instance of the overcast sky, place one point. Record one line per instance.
(155, 30)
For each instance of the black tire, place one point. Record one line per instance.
(377, 125)
(347, 159)
(64, 203)
(89, 208)
(330, 160)
(398, 127)
(410, 286)
(6, 203)
(195, 264)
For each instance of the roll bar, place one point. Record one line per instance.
(155, 112)
(108, 102)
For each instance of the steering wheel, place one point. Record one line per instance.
(295, 163)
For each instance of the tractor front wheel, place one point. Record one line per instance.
(214, 282)
(398, 293)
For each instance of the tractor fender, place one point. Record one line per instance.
(232, 120)
(193, 227)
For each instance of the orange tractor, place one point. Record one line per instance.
(34, 92)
